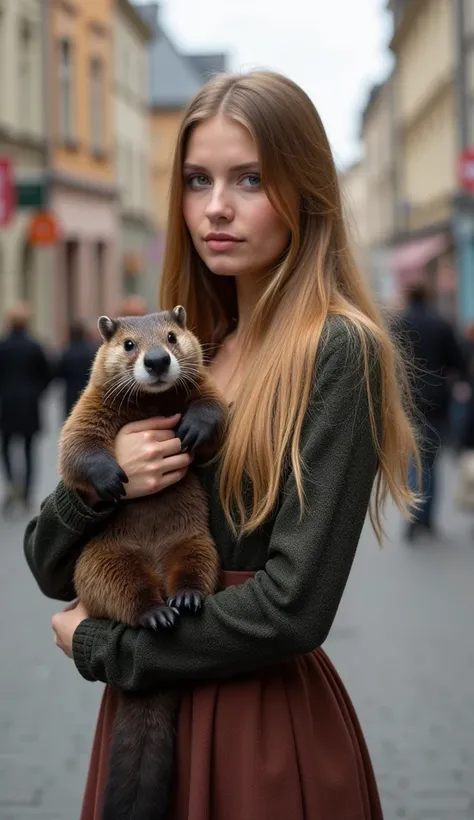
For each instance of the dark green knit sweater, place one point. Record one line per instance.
(301, 566)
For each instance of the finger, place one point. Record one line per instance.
(72, 605)
(170, 448)
(171, 478)
(160, 435)
(180, 462)
(154, 423)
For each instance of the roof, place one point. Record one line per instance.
(174, 77)
(136, 19)
(206, 65)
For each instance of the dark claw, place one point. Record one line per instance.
(160, 617)
(187, 601)
(107, 477)
(197, 428)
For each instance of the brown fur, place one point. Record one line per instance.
(154, 547)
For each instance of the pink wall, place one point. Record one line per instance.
(88, 219)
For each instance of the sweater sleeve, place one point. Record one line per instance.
(288, 607)
(54, 539)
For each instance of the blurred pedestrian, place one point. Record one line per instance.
(25, 372)
(259, 257)
(75, 363)
(133, 305)
(436, 352)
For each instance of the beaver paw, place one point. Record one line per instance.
(187, 601)
(107, 478)
(160, 617)
(199, 426)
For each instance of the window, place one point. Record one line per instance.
(25, 71)
(97, 102)
(65, 90)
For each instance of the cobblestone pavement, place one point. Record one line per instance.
(402, 643)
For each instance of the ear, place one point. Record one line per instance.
(179, 315)
(107, 327)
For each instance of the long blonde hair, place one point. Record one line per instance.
(318, 277)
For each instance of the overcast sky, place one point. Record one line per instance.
(335, 49)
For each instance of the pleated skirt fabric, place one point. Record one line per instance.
(282, 744)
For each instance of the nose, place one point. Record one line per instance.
(157, 361)
(219, 205)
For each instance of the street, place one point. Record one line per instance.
(402, 643)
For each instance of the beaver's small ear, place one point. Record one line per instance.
(179, 315)
(107, 327)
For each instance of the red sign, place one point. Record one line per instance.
(7, 191)
(466, 169)
(44, 229)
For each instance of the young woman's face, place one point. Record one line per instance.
(233, 225)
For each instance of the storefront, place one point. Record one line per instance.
(87, 275)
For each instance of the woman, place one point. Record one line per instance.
(257, 253)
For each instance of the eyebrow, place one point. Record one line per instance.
(244, 166)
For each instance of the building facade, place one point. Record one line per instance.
(353, 184)
(24, 268)
(133, 150)
(426, 134)
(83, 188)
(463, 216)
(378, 134)
(174, 78)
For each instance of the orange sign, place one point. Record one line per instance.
(44, 228)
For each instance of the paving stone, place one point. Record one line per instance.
(402, 643)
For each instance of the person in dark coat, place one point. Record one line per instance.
(435, 351)
(75, 364)
(25, 372)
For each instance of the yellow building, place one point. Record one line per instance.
(353, 183)
(378, 128)
(174, 79)
(83, 193)
(426, 116)
(24, 269)
(133, 148)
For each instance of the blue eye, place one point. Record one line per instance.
(254, 180)
(129, 345)
(197, 181)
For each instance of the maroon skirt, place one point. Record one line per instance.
(284, 743)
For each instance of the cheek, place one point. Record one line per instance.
(192, 212)
(268, 230)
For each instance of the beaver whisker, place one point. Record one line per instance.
(117, 387)
(114, 392)
(127, 394)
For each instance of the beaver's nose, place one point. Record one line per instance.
(157, 361)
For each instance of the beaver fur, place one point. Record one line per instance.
(155, 560)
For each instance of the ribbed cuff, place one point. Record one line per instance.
(82, 645)
(73, 512)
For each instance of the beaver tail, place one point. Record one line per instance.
(141, 757)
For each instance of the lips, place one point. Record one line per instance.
(221, 241)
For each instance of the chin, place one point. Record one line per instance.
(226, 267)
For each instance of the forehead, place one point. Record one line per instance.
(144, 323)
(220, 141)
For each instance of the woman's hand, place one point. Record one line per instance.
(150, 454)
(65, 624)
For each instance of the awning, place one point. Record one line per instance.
(412, 257)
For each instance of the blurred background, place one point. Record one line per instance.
(91, 97)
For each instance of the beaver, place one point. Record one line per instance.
(156, 559)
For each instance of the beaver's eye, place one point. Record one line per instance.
(129, 345)
(172, 338)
